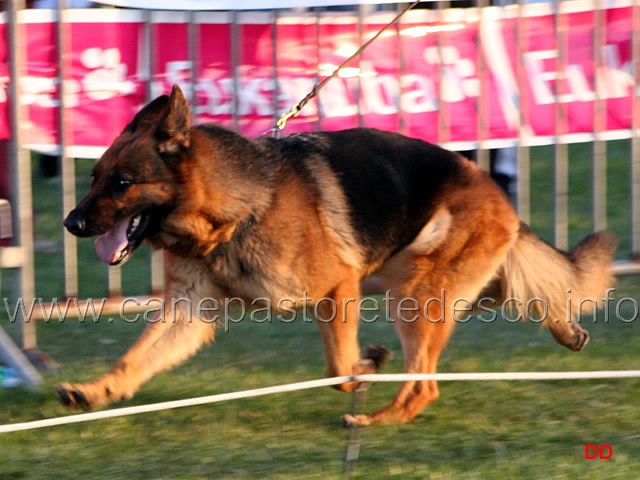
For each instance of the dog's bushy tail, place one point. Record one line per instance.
(542, 282)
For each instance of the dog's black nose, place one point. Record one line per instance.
(75, 223)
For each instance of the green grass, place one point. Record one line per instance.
(477, 430)
(618, 184)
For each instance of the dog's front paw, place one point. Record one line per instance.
(356, 420)
(85, 396)
(73, 397)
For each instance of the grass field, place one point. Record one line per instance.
(477, 430)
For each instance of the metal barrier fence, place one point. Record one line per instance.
(483, 78)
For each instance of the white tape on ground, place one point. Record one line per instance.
(291, 387)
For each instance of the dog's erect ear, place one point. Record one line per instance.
(173, 131)
(149, 115)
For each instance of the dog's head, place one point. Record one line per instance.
(134, 182)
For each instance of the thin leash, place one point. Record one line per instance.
(297, 108)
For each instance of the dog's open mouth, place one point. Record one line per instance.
(116, 246)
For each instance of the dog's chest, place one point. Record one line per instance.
(249, 277)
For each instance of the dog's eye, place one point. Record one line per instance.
(120, 183)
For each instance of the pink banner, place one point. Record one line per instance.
(379, 101)
(215, 90)
(106, 81)
(453, 77)
(170, 65)
(39, 88)
(338, 39)
(296, 62)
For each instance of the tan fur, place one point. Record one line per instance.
(432, 234)
(333, 213)
(565, 283)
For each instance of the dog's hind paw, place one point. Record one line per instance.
(574, 337)
(581, 339)
(350, 421)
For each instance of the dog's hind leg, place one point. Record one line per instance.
(424, 318)
(429, 290)
(164, 343)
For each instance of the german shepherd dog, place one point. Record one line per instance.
(315, 214)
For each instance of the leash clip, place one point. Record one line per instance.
(282, 121)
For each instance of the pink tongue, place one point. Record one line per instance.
(110, 245)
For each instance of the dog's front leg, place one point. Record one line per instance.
(161, 346)
(338, 319)
(174, 337)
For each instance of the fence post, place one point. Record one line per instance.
(561, 149)
(635, 137)
(67, 170)
(20, 173)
